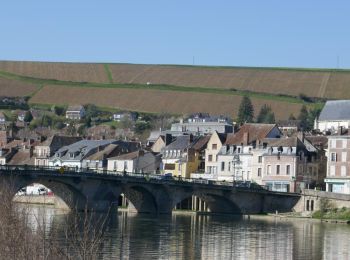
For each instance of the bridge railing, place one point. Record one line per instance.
(25, 169)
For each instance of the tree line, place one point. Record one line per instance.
(246, 111)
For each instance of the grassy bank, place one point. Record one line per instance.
(336, 214)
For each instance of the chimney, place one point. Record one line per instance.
(141, 152)
(245, 138)
(340, 130)
(168, 139)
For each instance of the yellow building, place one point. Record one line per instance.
(184, 156)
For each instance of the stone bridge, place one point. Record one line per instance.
(147, 193)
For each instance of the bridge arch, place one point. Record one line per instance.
(148, 199)
(214, 203)
(66, 196)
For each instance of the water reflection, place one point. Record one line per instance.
(131, 236)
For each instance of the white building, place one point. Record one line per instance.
(235, 159)
(76, 112)
(334, 115)
(137, 162)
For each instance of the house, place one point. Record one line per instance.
(75, 112)
(179, 157)
(73, 155)
(161, 143)
(202, 124)
(213, 148)
(124, 115)
(98, 160)
(136, 162)
(292, 164)
(91, 154)
(335, 114)
(21, 115)
(338, 167)
(235, 158)
(46, 149)
(289, 127)
(153, 137)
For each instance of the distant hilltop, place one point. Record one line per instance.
(175, 89)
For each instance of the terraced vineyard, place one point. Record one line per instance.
(171, 88)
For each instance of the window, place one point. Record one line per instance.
(343, 156)
(332, 170)
(268, 169)
(229, 166)
(333, 143)
(278, 169)
(239, 150)
(259, 172)
(214, 147)
(333, 157)
(210, 158)
(260, 159)
(169, 166)
(288, 169)
(343, 170)
(222, 166)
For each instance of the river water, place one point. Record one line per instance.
(188, 236)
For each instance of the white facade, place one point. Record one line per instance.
(235, 164)
(332, 126)
(121, 165)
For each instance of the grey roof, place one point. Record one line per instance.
(75, 108)
(336, 110)
(81, 149)
(181, 143)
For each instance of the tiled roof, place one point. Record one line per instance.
(181, 142)
(255, 132)
(103, 153)
(284, 142)
(201, 143)
(127, 156)
(335, 110)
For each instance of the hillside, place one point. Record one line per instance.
(172, 88)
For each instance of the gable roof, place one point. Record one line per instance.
(255, 132)
(181, 142)
(335, 110)
(201, 143)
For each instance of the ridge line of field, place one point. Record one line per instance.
(259, 95)
(197, 66)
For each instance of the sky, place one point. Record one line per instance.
(294, 33)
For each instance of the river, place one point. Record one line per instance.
(189, 236)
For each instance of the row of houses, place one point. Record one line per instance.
(256, 153)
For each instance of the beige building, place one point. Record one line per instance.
(338, 168)
(211, 153)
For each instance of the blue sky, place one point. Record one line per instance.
(299, 33)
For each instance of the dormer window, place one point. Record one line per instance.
(71, 155)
